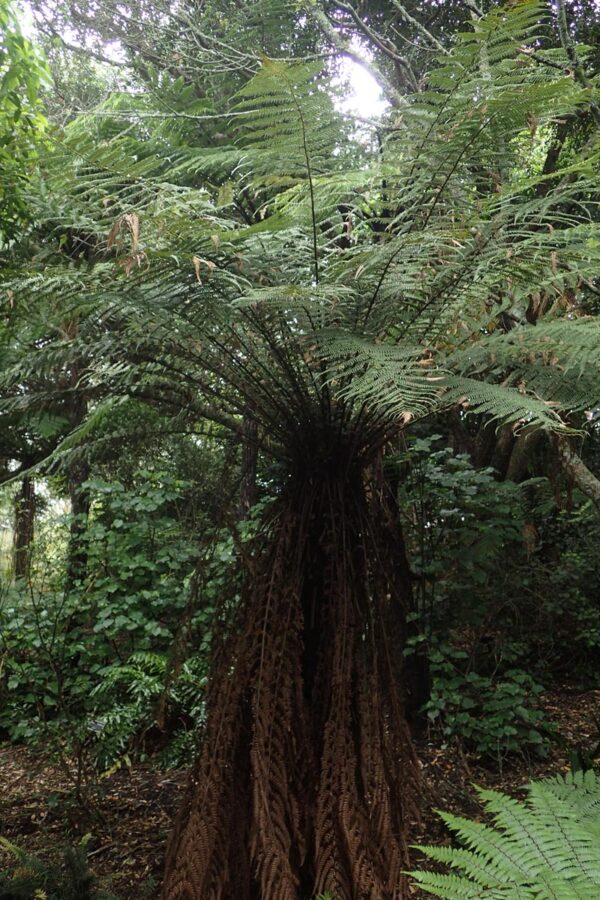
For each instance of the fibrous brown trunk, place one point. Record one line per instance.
(24, 528)
(305, 781)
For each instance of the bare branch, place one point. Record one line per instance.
(382, 43)
(429, 37)
(344, 47)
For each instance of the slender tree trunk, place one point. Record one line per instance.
(503, 447)
(306, 777)
(78, 474)
(24, 528)
(417, 670)
(80, 507)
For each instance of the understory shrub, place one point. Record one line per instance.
(493, 714)
(514, 563)
(464, 532)
(138, 697)
(105, 671)
(559, 612)
(29, 878)
(506, 583)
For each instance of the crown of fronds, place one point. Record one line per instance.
(311, 290)
(546, 847)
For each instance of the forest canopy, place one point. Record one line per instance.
(299, 456)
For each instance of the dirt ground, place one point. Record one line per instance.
(131, 816)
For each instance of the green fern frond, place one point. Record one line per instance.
(544, 848)
(374, 287)
(387, 377)
(291, 129)
(291, 135)
(558, 359)
(581, 790)
(501, 402)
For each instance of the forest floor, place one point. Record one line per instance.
(130, 820)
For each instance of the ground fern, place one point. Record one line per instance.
(546, 847)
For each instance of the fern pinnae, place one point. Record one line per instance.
(537, 837)
(468, 862)
(487, 842)
(575, 850)
(453, 887)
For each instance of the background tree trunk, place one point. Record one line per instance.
(80, 509)
(24, 528)
(575, 469)
(78, 474)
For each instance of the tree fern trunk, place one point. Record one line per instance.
(306, 775)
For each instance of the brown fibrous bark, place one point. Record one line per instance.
(306, 777)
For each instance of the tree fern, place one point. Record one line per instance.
(544, 848)
(332, 302)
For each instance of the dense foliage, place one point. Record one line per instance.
(22, 123)
(299, 411)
